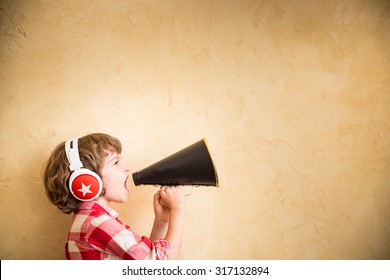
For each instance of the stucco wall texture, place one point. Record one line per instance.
(293, 97)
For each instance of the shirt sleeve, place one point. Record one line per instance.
(161, 248)
(111, 236)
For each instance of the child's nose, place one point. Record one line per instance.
(126, 167)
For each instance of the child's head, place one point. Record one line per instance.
(93, 150)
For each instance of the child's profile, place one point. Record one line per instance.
(83, 176)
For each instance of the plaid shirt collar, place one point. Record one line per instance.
(93, 205)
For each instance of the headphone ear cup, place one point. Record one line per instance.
(85, 185)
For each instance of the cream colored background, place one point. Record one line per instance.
(292, 96)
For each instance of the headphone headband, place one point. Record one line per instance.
(72, 153)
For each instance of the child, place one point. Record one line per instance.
(82, 176)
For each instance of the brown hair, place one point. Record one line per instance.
(93, 149)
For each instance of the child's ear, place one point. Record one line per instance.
(103, 193)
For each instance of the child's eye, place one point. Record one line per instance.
(117, 162)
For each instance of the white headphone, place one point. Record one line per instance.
(84, 184)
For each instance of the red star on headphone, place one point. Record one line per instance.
(85, 187)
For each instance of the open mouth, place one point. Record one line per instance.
(125, 184)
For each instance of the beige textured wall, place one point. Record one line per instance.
(292, 96)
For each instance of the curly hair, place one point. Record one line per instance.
(93, 149)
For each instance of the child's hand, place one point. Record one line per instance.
(172, 198)
(161, 212)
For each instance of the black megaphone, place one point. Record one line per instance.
(190, 166)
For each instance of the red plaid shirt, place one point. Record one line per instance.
(97, 234)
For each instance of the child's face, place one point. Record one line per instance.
(114, 176)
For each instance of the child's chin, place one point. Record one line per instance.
(125, 199)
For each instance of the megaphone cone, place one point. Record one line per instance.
(190, 166)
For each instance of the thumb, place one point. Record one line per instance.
(156, 198)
